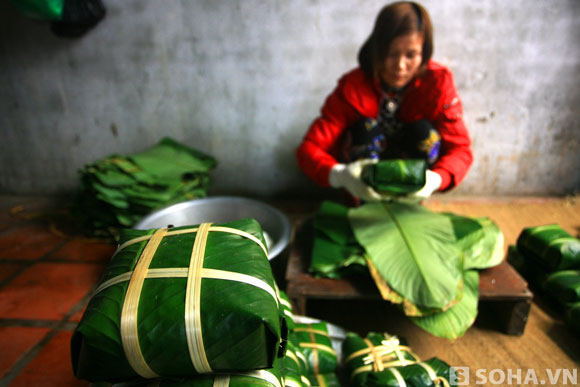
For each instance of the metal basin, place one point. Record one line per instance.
(222, 209)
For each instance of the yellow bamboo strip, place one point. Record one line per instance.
(129, 331)
(192, 299)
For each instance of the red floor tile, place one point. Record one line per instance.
(84, 249)
(8, 269)
(15, 342)
(48, 291)
(28, 242)
(51, 367)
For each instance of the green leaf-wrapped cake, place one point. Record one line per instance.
(181, 302)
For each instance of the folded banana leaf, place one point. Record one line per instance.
(181, 302)
(564, 286)
(480, 241)
(454, 322)
(313, 341)
(396, 177)
(374, 353)
(324, 380)
(550, 246)
(117, 191)
(413, 250)
(335, 252)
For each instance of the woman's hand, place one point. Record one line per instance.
(432, 184)
(347, 176)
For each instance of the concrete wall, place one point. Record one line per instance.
(242, 80)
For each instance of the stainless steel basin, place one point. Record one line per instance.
(222, 209)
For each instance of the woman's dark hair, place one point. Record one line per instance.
(394, 20)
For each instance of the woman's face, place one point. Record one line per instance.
(403, 60)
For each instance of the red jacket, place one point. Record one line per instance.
(431, 96)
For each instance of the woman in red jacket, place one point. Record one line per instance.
(398, 103)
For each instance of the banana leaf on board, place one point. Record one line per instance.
(335, 252)
(389, 231)
(413, 250)
(180, 302)
(396, 177)
(480, 241)
(454, 322)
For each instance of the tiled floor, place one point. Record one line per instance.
(47, 272)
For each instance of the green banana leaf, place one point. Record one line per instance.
(239, 312)
(479, 239)
(413, 250)
(550, 246)
(180, 160)
(396, 177)
(564, 286)
(335, 252)
(313, 341)
(454, 322)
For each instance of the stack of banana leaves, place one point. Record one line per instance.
(192, 305)
(549, 258)
(384, 360)
(425, 262)
(118, 191)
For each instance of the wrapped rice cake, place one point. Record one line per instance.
(550, 246)
(180, 302)
(385, 360)
(313, 340)
(397, 176)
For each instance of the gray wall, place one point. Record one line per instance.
(242, 80)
